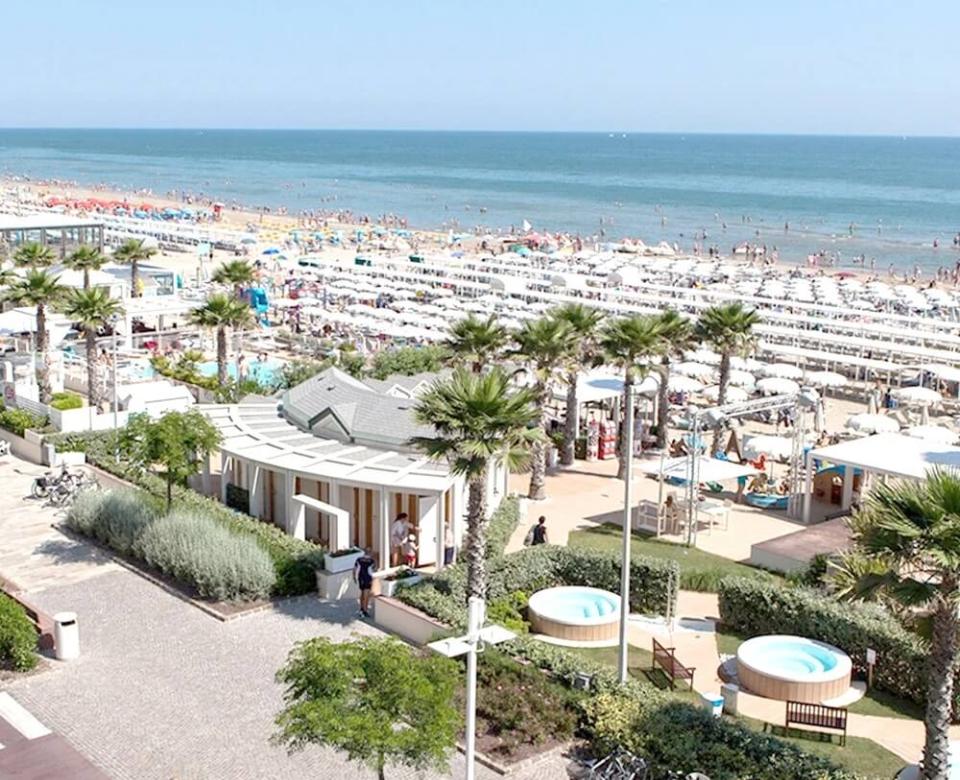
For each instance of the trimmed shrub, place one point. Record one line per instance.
(294, 560)
(678, 737)
(117, 518)
(754, 608)
(195, 549)
(18, 637)
(66, 400)
(508, 612)
(503, 522)
(19, 420)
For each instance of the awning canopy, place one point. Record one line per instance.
(892, 454)
(710, 469)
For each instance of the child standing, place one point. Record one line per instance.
(410, 551)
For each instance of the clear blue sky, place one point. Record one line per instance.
(821, 66)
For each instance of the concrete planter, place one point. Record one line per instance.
(335, 564)
(404, 621)
(390, 587)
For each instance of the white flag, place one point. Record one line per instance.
(526, 226)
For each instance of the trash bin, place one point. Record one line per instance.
(729, 691)
(713, 703)
(66, 636)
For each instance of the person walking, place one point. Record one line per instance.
(449, 549)
(399, 532)
(363, 571)
(540, 532)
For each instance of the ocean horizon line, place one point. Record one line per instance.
(488, 131)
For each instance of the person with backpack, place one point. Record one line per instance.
(538, 534)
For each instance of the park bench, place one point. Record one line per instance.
(666, 659)
(818, 717)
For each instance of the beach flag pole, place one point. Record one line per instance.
(627, 453)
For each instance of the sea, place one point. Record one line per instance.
(886, 200)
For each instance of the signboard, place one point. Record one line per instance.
(9, 394)
(871, 657)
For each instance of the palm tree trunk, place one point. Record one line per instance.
(222, 355)
(43, 363)
(477, 536)
(134, 279)
(93, 386)
(538, 453)
(622, 453)
(86, 278)
(663, 405)
(570, 422)
(943, 667)
(721, 399)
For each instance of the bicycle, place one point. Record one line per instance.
(618, 765)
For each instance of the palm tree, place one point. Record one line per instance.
(86, 259)
(92, 309)
(548, 345)
(476, 341)
(729, 330)
(238, 273)
(133, 252)
(585, 323)
(477, 418)
(630, 343)
(42, 290)
(677, 335)
(219, 313)
(912, 528)
(33, 255)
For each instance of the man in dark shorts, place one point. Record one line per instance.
(363, 571)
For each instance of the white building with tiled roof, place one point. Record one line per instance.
(331, 462)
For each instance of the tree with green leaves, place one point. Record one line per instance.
(85, 259)
(547, 346)
(585, 322)
(218, 313)
(478, 419)
(912, 528)
(678, 336)
(728, 328)
(43, 291)
(92, 310)
(177, 443)
(378, 700)
(477, 341)
(33, 255)
(132, 252)
(236, 273)
(631, 343)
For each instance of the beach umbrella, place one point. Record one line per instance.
(778, 447)
(932, 433)
(746, 364)
(872, 423)
(826, 379)
(782, 370)
(741, 378)
(734, 394)
(704, 356)
(694, 369)
(684, 384)
(775, 385)
(271, 251)
(917, 396)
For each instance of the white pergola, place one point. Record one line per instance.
(887, 454)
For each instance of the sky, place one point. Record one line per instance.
(782, 66)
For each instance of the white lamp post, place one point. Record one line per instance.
(114, 321)
(469, 645)
(627, 454)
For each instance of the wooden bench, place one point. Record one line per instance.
(819, 717)
(666, 659)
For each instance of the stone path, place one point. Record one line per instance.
(33, 554)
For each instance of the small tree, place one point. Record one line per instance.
(376, 699)
(177, 442)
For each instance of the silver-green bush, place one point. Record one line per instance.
(116, 518)
(197, 550)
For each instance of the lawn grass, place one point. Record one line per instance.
(699, 570)
(862, 756)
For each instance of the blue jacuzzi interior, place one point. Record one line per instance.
(796, 658)
(578, 605)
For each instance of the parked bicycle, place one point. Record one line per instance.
(618, 765)
(58, 487)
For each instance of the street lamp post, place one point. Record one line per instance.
(469, 645)
(627, 453)
(114, 321)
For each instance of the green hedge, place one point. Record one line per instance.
(18, 636)
(753, 608)
(66, 400)
(503, 522)
(19, 420)
(653, 582)
(295, 561)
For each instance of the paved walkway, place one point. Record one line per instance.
(33, 554)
